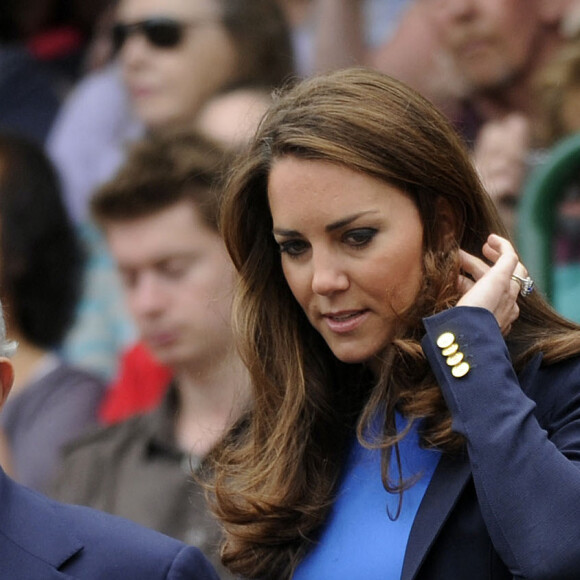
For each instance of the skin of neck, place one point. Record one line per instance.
(210, 400)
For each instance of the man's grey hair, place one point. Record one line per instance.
(7, 347)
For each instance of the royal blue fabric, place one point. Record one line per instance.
(360, 540)
(41, 539)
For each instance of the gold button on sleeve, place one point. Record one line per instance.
(450, 349)
(445, 340)
(460, 370)
(455, 359)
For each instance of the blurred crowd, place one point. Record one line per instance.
(117, 120)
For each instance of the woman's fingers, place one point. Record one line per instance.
(464, 284)
(492, 286)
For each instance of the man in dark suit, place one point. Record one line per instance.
(44, 540)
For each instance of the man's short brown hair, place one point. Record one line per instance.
(159, 172)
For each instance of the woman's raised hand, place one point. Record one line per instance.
(492, 287)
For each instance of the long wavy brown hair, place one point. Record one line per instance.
(275, 476)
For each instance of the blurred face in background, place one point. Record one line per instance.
(174, 54)
(178, 282)
(492, 42)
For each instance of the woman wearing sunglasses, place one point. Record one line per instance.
(171, 57)
(175, 54)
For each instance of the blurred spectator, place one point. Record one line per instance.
(56, 33)
(557, 119)
(497, 47)
(28, 99)
(217, 44)
(40, 264)
(88, 139)
(159, 216)
(42, 46)
(156, 85)
(556, 92)
(507, 147)
(501, 156)
(228, 118)
(396, 37)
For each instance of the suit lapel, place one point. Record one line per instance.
(33, 533)
(23, 565)
(446, 485)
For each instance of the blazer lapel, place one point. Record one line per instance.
(22, 564)
(33, 535)
(446, 485)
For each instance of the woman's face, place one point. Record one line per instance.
(351, 250)
(168, 85)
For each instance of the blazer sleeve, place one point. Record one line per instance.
(526, 473)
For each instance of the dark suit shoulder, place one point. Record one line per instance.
(41, 538)
(119, 548)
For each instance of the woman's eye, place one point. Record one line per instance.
(360, 237)
(292, 247)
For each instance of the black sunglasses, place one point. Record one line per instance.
(160, 32)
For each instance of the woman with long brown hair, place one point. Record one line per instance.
(416, 404)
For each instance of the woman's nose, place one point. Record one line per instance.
(134, 51)
(328, 276)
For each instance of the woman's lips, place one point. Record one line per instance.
(345, 321)
(141, 92)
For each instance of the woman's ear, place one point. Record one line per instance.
(6, 378)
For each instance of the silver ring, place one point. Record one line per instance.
(526, 284)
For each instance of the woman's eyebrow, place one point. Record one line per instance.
(329, 228)
(285, 233)
(346, 221)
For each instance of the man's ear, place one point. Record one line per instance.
(6, 378)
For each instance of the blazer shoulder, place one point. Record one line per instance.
(37, 533)
(118, 549)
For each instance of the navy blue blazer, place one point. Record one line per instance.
(510, 508)
(41, 539)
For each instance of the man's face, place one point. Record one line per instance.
(493, 42)
(178, 281)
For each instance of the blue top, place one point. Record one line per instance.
(359, 540)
